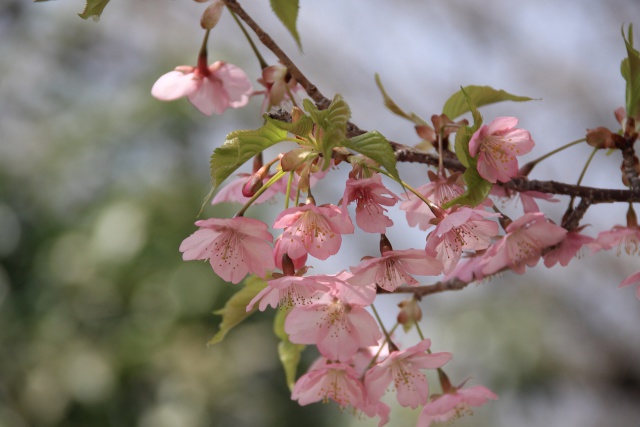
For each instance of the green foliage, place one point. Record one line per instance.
(240, 147)
(457, 104)
(395, 109)
(93, 9)
(303, 126)
(288, 352)
(630, 69)
(235, 311)
(287, 13)
(333, 123)
(375, 146)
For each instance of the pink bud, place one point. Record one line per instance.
(252, 185)
(211, 15)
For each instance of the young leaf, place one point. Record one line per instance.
(302, 127)
(235, 310)
(463, 136)
(333, 122)
(287, 13)
(93, 9)
(395, 109)
(457, 105)
(630, 69)
(240, 147)
(375, 146)
(478, 189)
(289, 352)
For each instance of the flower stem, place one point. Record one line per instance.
(263, 63)
(434, 208)
(533, 163)
(392, 346)
(584, 170)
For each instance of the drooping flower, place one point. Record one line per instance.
(210, 89)
(462, 229)
(455, 404)
(394, 268)
(311, 229)
(336, 381)
(439, 191)
(403, 369)
(568, 248)
(370, 195)
(337, 328)
(624, 238)
(233, 246)
(288, 291)
(523, 244)
(497, 146)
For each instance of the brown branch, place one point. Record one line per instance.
(321, 101)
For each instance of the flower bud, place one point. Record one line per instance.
(253, 184)
(211, 15)
(410, 313)
(602, 137)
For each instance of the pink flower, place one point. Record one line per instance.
(311, 229)
(462, 229)
(627, 238)
(523, 244)
(336, 381)
(369, 195)
(451, 406)
(234, 247)
(498, 144)
(403, 369)
(210, 89)
(526, 197)
(632, 280)
(338, 329)
(439, 191)
(567, 249)
(288, 291)
(394, 268)
(279, 250)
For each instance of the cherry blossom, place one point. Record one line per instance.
(394, 268)
(370, 195)
(527, 198)
(232, 192)
(627, 238)
(462, 229)
(453, 405)
(288, 291)
(234, 247)
(439, 191)
(336, 381)
(210, 89)
(523, 244)
(568, 248)
(311, 229)
(403, 369)
(497, 146)
(337, 328)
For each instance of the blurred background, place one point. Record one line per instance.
(103, 324)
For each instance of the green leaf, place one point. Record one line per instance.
(477, 191)
(287, 13)
(240, 147)
(375, 146)
(630, 69)
(457, 105)
(333, 122)
(302, 127)
(463, 136)
(235, 311)
(288, 352)
(395, 109)
(93, 9)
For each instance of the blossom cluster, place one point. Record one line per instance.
(466, 237)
